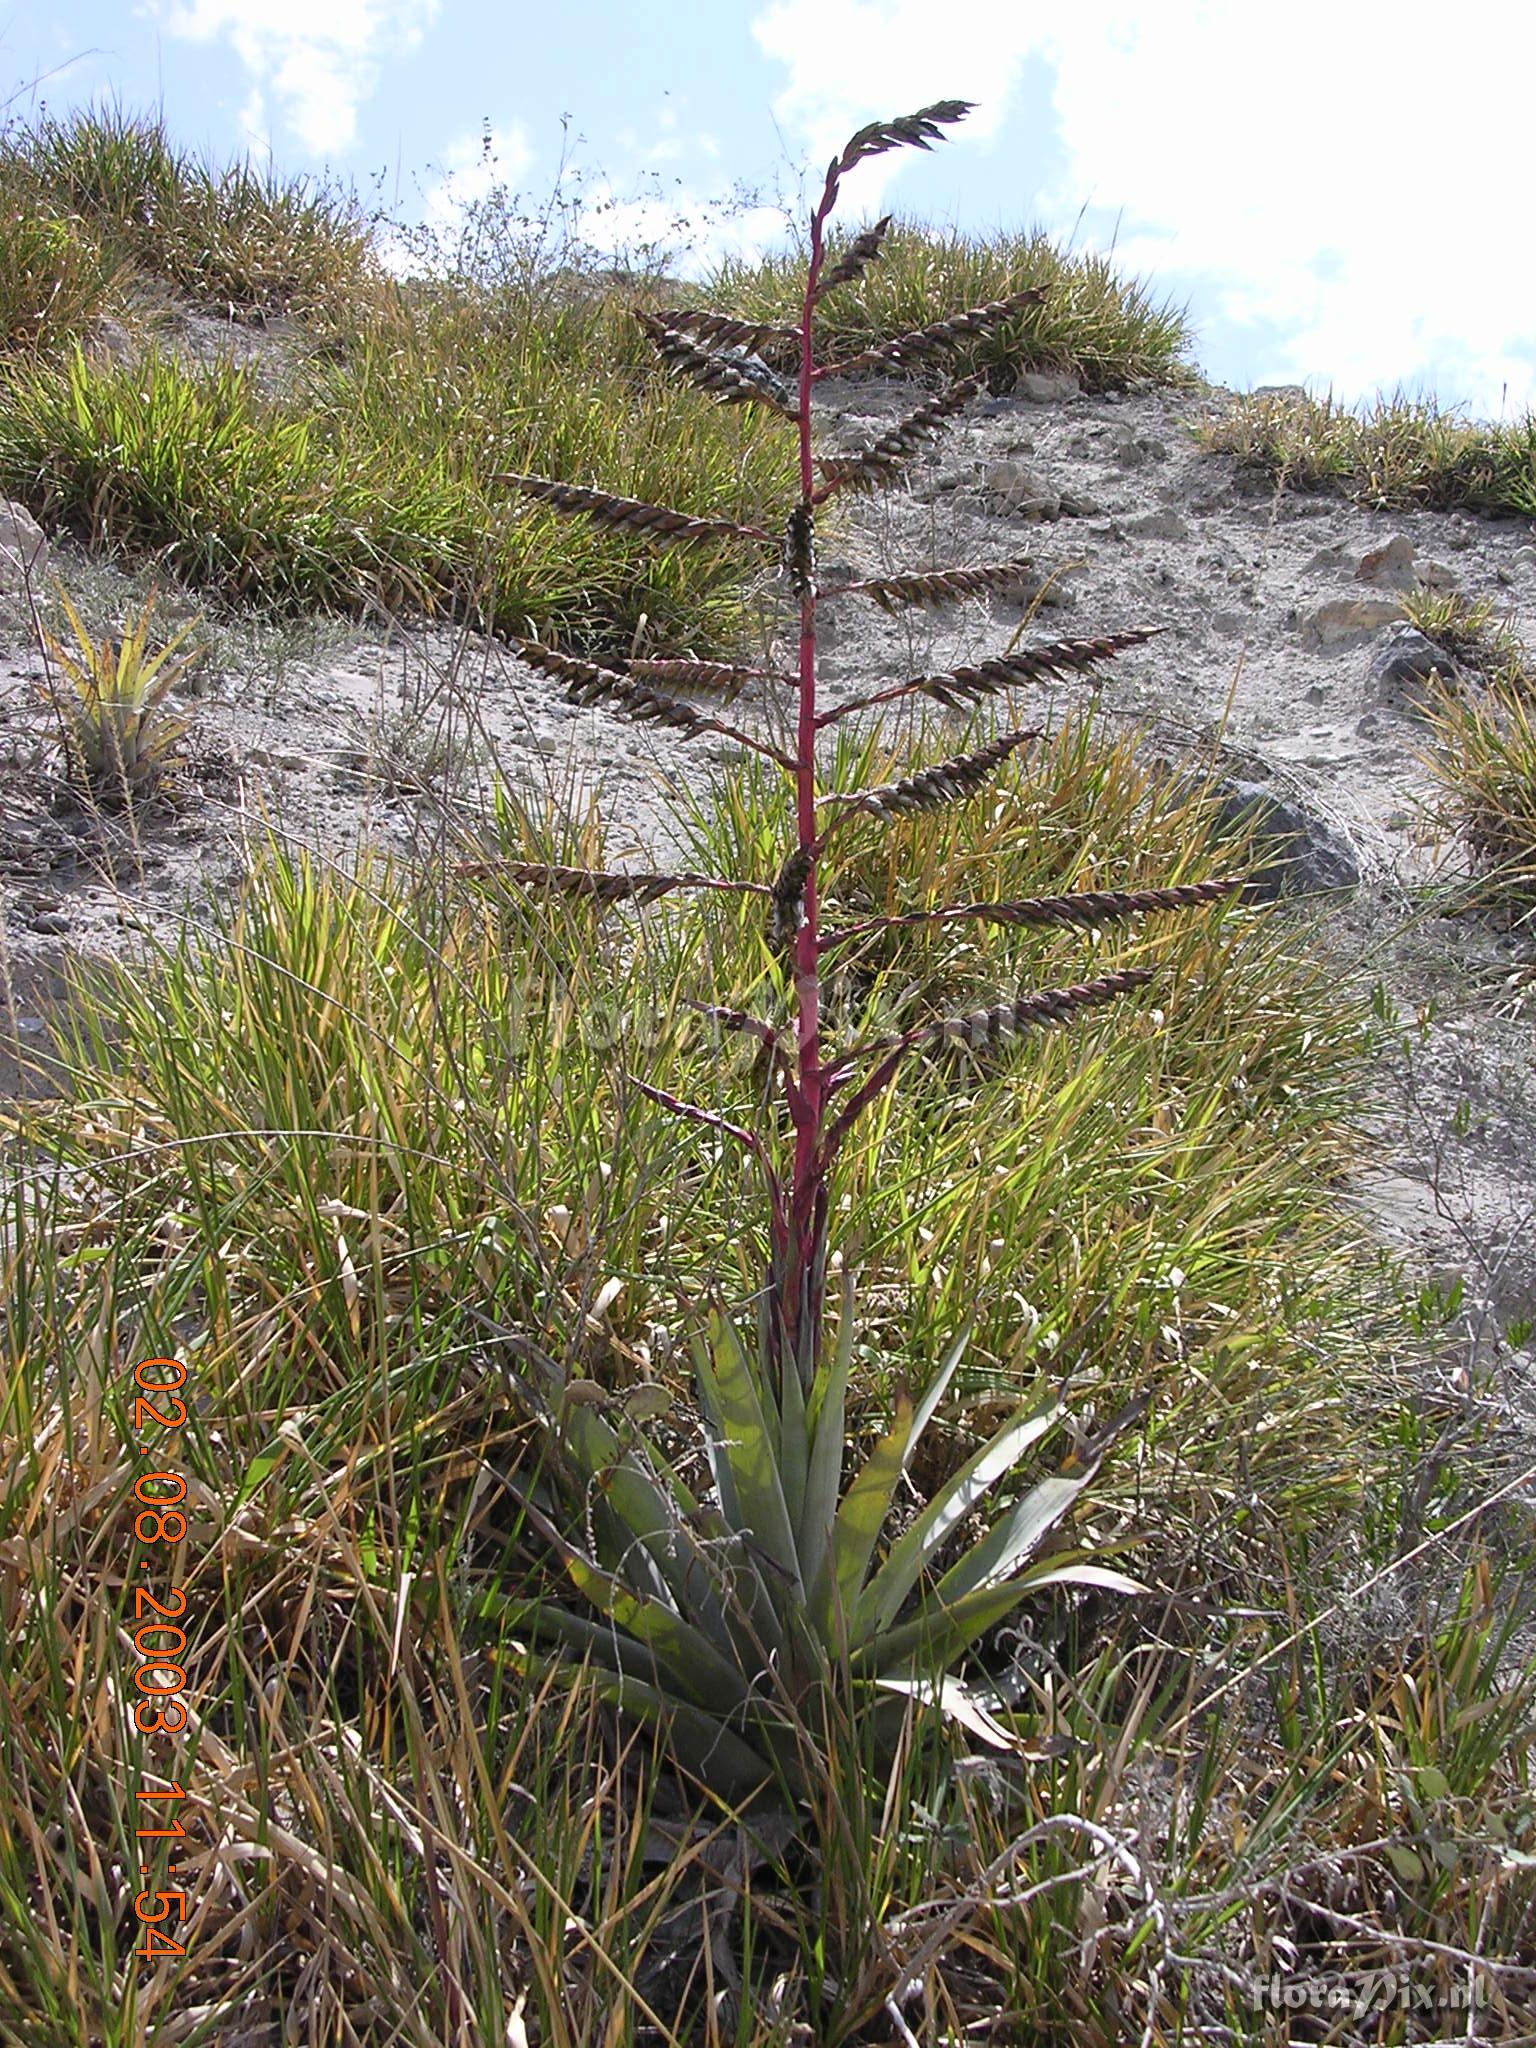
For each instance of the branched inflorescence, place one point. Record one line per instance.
(733, 1648)
(726, 357)
(866, 468)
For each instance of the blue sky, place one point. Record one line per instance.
(1338, 199)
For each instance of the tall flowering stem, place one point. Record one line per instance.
(736, 1619)
(807, 1212)
(716, 352)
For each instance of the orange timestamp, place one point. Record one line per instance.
(161, 1641)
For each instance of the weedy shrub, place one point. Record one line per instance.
(754, 1627)
(109, 695)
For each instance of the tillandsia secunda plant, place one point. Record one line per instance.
(735, 1622)
(118, 736)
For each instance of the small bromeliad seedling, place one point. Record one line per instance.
(751, 1624)
(117, 733)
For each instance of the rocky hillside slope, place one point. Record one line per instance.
(1286, 667)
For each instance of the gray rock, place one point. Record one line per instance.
(1158, 526)
(23, 548)
(1343, 621)
(1389, 566)
(1047, 387)
(1327, 561)
(1401, 667)
(1011, 488)
(109, 338)
(1134, 451)
(1298, 854)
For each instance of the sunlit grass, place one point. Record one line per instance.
(1398, 453)
(1105, 328)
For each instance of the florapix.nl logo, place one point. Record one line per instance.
(1370, 1991)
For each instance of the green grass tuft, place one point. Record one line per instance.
(1104, 328)
(373, 486)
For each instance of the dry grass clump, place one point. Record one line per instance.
(55, 275)
(238, 241)
(1400, 452)
(1484, 761)
(1483, 744)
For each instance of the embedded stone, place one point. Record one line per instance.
(1047, 387)
(23, 548)
(1401, 668)
(1343, 621)
(1299, 855)
(1391, 566)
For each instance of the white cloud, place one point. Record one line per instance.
(1240, 143)
(853, 61)
(319, 62)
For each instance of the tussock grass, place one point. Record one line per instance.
(1482, 754)
(1472, 632)
(1400, 452)
(237, 240)
(1103, 327)
(54, 274)
(1484, 762)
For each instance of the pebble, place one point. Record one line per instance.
(1011, 487)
